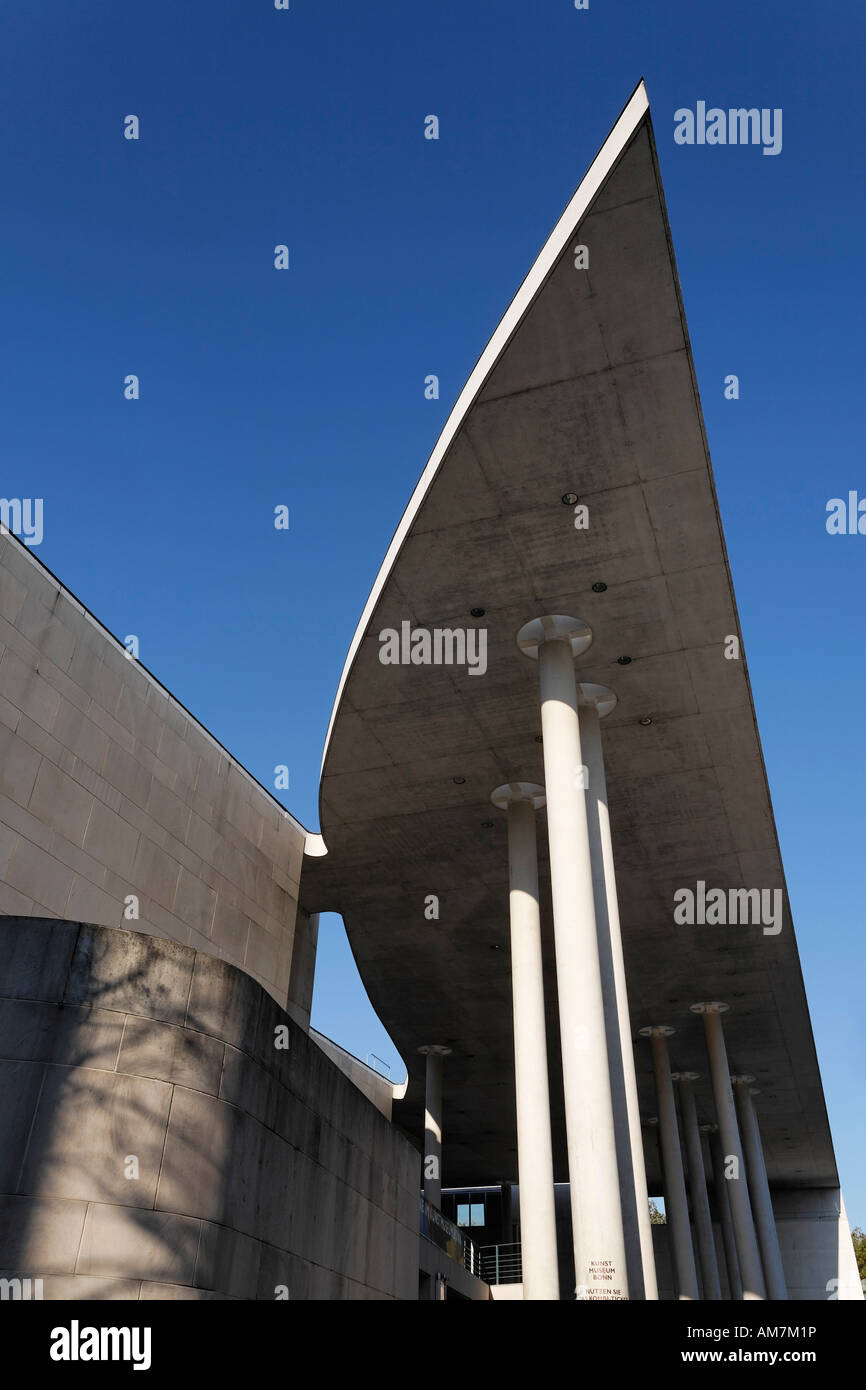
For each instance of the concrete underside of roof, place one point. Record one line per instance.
(595, 393)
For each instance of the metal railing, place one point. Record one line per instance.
(495, 1264)
(472, 1257)
(384, 1068)
(500, 1264)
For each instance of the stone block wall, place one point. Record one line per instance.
(815, 1241)
(255, 1167)
(110, 789)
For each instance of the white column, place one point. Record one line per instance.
(534, 1144)
(748, 1255)
(759, 1189)
(599, 1245)
(595, 702)
(433, 1123)
(676, 1203)
(720, 1192)
(698, 1188)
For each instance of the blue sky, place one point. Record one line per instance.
(305, 388)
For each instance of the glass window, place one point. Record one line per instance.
(476, 1213)
(462, 1214)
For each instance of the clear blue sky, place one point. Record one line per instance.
(305, 388)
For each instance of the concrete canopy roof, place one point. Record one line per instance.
(587, 386)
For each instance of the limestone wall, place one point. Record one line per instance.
(257, 1167)
(376, 1088)
(108, 788)
(815, 1241)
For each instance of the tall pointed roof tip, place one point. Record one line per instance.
(607, 156)
(591, 386)
(639, 86)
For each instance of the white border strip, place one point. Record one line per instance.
(553, 248)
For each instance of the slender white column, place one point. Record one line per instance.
(595, 701)
(748, 1254)
(720, 1191)
(759, 1189)
(676, 1203)
(433, 1123)
(698, 1189)
(534, 1144)
(599, 1245)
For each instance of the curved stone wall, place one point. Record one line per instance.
(159, 1144)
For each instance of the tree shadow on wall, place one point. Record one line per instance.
(143, 1096)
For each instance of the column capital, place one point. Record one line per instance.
(744, 1079)
(510, 792)
(708, 1129)
(601, 697)
(554, 627)
(435, 1050)
(685, 1076)
(659, 1030)
(714, 1006)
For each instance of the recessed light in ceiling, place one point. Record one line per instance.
(458, 781)
(569, 498)
(487, 824)
(647, 719)
(623, 661)
(599, 588)
(477, 612)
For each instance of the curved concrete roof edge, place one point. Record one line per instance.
(636, 108)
